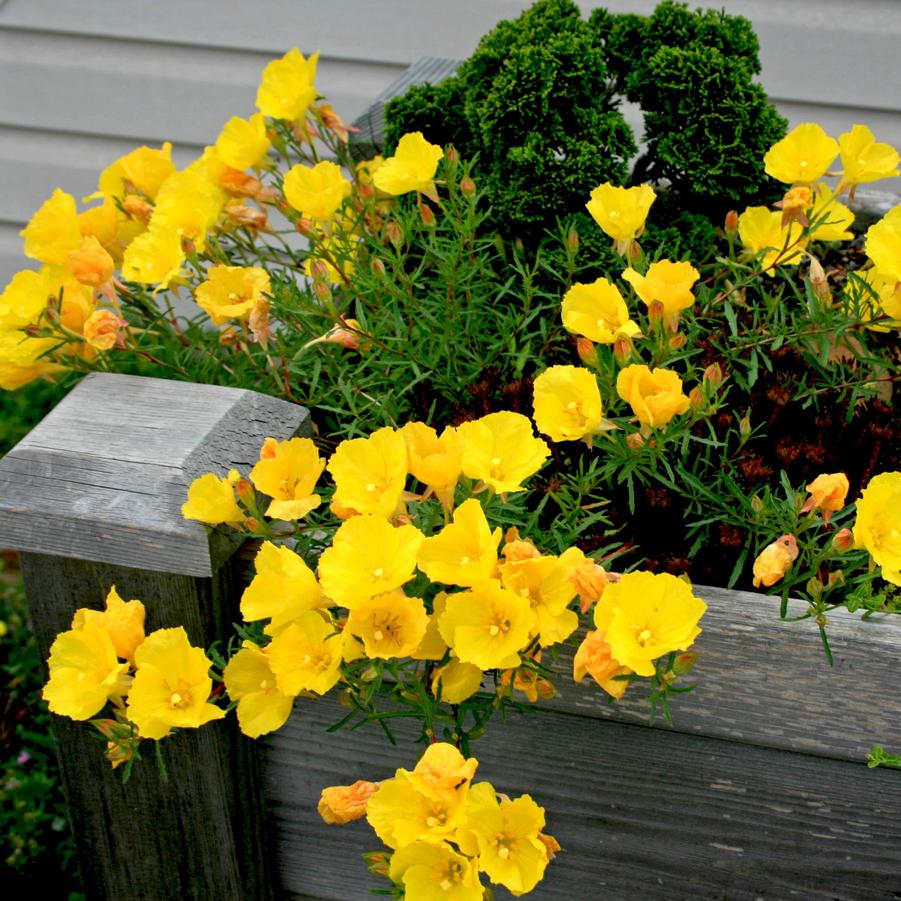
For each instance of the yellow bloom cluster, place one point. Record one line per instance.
(444, 831)
(163, 684)
(878, 525)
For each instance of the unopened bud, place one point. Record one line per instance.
(229, 336)
(305, 227)
(676, 341)
(683, 663)
(319, 270)
(252, 524)
(572, 238)
(245, 491)
(427, 214)
(819, 282)
(545, 689)
(137, 208)
(451, 153)
(835, 579)
(731, 224)
(756, 504)
(622, 349)
(394, 233)
(695, 398)
(378, 267)
(713, 375)
(843, 540)
(322, 291)
(635, 440)
(378, 862)
(467, 186)
(744, 427)
(587, 352)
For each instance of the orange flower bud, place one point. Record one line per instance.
(306, 228)
(378, 267)
(248, 216)
(587, 352)
(341, 804)
(101, 330)
(731, 224)
(394, 233)
(427, 214)
(236, 182)
(683, 663)
(244, 490)
(677, 341)
(775, 560)
(572, 238)
(827, 493)
(635, 440)
(137, 208)
(695, 398)
(90, 263)
(843, 540)
(451, 154)
(467, 186)
(713, 375)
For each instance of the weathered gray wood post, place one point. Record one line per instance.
(92, 498)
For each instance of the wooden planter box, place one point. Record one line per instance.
(759, 791)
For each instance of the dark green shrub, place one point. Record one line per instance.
(707, 124)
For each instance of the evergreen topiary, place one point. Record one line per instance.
(707, 124)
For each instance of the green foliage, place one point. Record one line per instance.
(36, 844)
(434, 109)
(707, 124)
(538, 113)
(21, 410)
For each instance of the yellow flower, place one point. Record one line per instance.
(103, 223)
(509, 849)
(621, 212)
(249, 680)
(774, 561)
(189, 203)
(390, 625)
(143, 169)
(286, 89)
(455, 681)
(432, 646)
(84, 672)
(429, 871)
(655, 395)
(442, 771)
(368, 556)
(463, 552)
(436, 462)
(212, 500)
(123, 621)
(645, 616)
(487, 625)
(53, 233)
(21, 359)
(863, 159)
(667, 283)
(501, 450)
(595, 659)
(172, 685)
(340, 804)
(243, 143)
(567, 403)
(760, 230)
(102, 329)
(316, 192)
(884, 243)
(288, 471)
(283, 588)
(90, 263)
(836, 217)
(154, 257)
(827, 493)
(875, 298)
(230, 292)
(412, 168)
(400, 814)
(306, 655)
(803, 155)
(878, 524)
(546, 582)
(24, 299)
(598, 312)
(370, 473)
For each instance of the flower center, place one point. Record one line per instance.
(644, 637)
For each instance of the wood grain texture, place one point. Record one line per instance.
(766, 682)
(641, 814)
(104, 475)
(201, 835)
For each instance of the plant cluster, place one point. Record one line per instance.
(379, 294)
(537, 105)
(418, 605)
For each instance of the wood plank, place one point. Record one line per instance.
(197, 836)
(77, 486)
(766, 682)
(640, 813)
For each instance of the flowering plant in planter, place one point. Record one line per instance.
(696, 409)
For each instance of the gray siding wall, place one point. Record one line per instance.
(83, 81)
